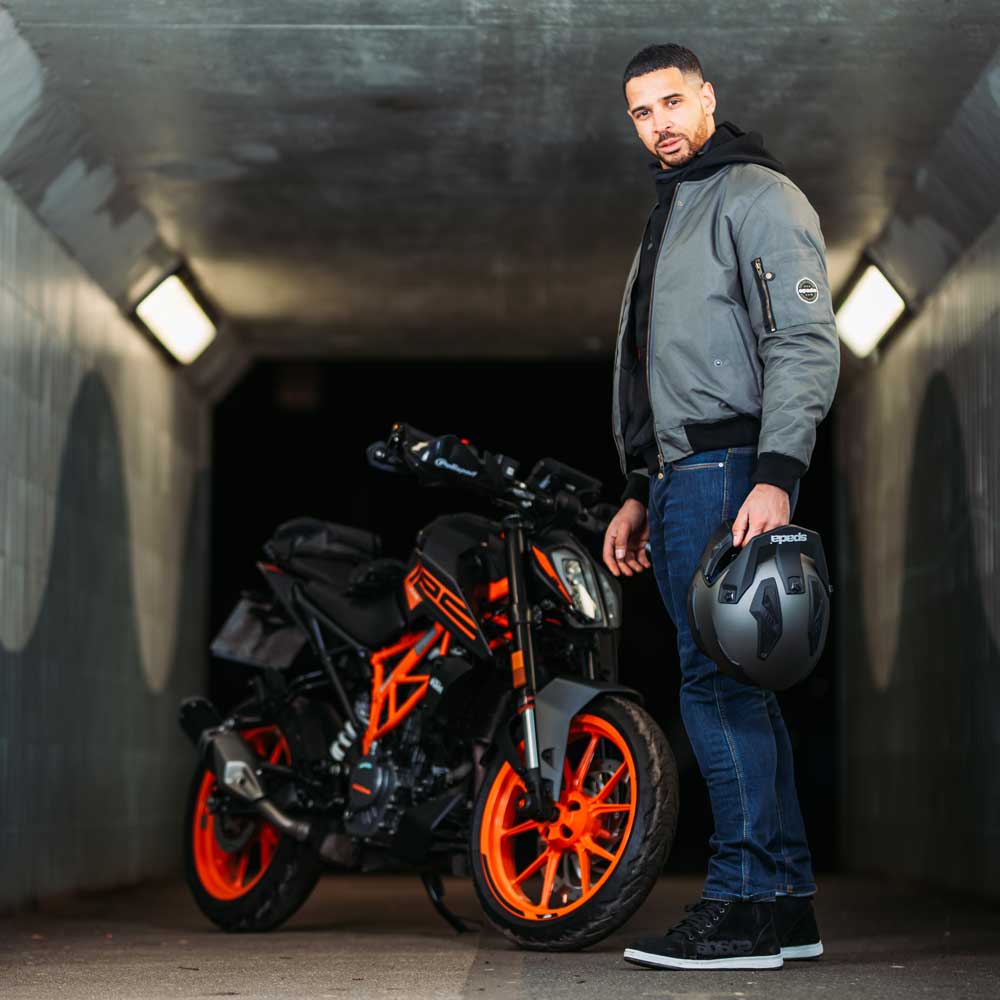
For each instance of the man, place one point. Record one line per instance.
(727, 359)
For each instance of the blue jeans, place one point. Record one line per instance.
(737, 732)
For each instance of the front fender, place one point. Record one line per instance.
(555, 706)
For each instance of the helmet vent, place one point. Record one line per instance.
(817, 613)
(766, 609)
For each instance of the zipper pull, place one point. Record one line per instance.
(765, 293)
(659, 458)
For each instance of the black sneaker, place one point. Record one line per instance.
(795, 922)
(716, 934)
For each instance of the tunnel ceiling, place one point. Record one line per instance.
(459, 176)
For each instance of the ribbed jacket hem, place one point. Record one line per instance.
(772, 467)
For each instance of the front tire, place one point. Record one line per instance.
(565, 885)
(244, 875)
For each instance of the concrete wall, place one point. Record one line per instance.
(918, 608)
(103, 563)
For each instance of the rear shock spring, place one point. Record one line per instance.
(348, 734)
(345, 739)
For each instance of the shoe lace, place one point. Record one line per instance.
(702, 917)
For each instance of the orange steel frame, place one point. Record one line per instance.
(421, 584)
(386, 690)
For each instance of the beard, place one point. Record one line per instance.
(687, 152)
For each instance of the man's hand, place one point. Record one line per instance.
(625, 540)
(765, 508)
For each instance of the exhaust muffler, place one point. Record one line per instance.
(234, 764)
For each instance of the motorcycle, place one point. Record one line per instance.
(457, 712)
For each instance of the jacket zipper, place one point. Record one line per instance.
(765, 293)
(617, 369)
(649, 325)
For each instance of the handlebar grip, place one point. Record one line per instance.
(379, 457)
(589, 521)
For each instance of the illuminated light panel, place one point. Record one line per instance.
(175, 318)
(872, 306)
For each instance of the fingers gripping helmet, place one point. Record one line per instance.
(761, 612)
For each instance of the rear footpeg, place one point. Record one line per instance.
(234, 764)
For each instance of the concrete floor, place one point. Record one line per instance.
(377, 936)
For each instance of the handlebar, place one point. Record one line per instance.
(553, 490)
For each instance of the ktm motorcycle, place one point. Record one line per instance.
(458, 712)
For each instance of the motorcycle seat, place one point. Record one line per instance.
(364, 580)
(308, 537)
(373, 621)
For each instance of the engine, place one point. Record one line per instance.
(384, 783)
(373, 798)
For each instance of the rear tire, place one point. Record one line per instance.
(243, 874)
(609, 844)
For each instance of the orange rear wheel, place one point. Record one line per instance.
(232, 853)
(540, 871)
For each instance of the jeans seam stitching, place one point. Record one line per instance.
(777, 804)
(739, 783)
(725, 490)
(656, 498)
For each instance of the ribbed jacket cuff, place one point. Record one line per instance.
(778, 470)
(637, 488)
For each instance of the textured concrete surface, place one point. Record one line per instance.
(56, 165)
(936, 219)
(459, 175)
(103, 572)
(377, 936)
(918, 590)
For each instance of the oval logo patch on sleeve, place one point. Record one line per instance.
(806, 290)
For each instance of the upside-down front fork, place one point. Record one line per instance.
(537, 802)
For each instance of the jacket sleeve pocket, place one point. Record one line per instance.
(782, 259)
(783, 272)
(789, 289)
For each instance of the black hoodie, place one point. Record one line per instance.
(728, 144)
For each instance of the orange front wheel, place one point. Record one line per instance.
(568, 882)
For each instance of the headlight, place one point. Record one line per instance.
(578, 577)
(612, 606)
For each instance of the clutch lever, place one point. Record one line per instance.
(380, 457)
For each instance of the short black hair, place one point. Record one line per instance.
(654, 57)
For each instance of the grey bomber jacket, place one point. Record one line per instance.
(742, 333)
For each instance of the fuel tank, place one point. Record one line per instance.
(456, 555)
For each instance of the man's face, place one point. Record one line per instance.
(672, 114)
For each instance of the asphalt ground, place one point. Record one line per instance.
(378, 937)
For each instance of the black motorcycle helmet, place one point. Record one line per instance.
(761, 611)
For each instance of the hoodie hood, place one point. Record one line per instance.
(727, 144)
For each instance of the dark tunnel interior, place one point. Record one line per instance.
(239, 240)
(291, 440)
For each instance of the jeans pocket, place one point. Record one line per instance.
(715, 459)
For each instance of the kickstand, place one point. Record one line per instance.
(435, 892)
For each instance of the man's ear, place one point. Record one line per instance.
(707, 96)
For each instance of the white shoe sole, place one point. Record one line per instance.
(666, 962)
(803, 951)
